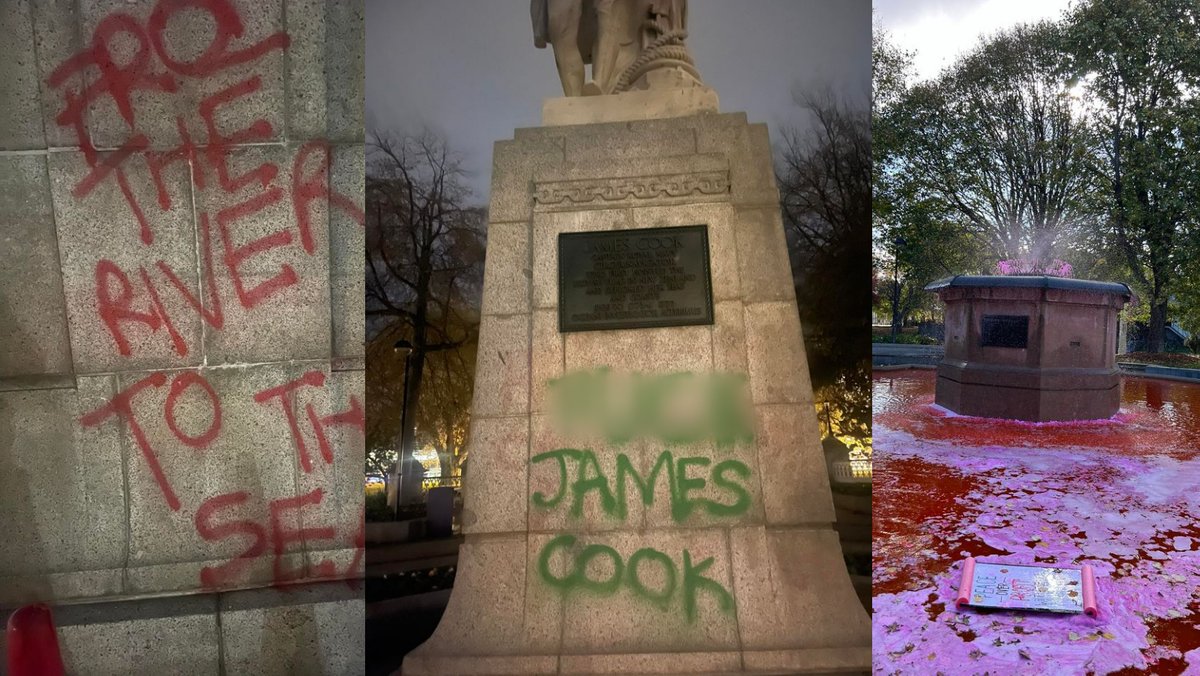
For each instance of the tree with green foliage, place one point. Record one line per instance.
(998, 141)
(1139, 61)
(916, 237)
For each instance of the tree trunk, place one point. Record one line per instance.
(1156, 331)
(411, 470)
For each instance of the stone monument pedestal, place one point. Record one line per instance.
(644, 554)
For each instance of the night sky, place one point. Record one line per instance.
(468, 69)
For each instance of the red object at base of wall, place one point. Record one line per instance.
(33, 643)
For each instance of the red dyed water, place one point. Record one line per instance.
(1119, 494)
(1156, 416)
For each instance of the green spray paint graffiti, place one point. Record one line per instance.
(676, 409)
(590, 477)
(629, 574)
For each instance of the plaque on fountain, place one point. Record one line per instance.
(632, 279)
(1005, 331)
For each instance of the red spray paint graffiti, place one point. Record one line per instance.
(153, 70)
(128, 62)
(207, 519)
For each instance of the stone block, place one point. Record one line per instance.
(492, 575)
(494, 499)
(729, 337)
(791, 464)
(33, 312)
(723, 233)
(653, 663)
(70, 585)
(100, 239)
(697, 464)
(662, 350)
(764, 269)
(546, 481)
(186, 36)
(345, 69)
(648, 624)
(506, 278)
(339, 482)
(855, 659)
(307, 629)
(282, 310)
(775, 353)
(249, 481)
(152, 636)
(763, 183)
(56, 38)
(645, 104)
(21, 119)
(542, 615)
(425, 664)
(796, 582)
(64, 496)
(546, 229)
(502, 366)
(751, 170)
(305, 109)
(600, 144)
(650, 165)
(514, 164)
(546, 358)
(347, 176)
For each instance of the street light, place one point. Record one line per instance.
(405, 348)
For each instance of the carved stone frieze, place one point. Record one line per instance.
(593, 192)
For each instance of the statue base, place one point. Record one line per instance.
(661, 93)
(761, 588)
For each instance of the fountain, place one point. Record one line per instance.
(1030, 347)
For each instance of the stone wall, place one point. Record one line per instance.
(181, 347)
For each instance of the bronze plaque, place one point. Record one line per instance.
(632, 279)
(1005, 331)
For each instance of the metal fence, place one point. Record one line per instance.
(852, 471)
(441, 482)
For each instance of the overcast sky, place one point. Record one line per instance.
(468, 69)
(939, 30)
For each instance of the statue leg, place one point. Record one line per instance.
(564, 18)
(611, 20)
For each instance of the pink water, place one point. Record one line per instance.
(1121, 494)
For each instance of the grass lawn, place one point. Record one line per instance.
(1176, 359)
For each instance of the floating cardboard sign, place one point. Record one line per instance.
(1025, 587)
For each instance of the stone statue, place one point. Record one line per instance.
(622, 40)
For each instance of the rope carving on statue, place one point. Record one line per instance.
(666, 47)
